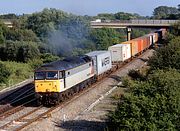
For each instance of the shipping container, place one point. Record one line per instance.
(156, 37)
(102, 61)
(161, 33)
(150, 39)
(139, 45)
(120, 52)
(134, 46)
(146, 42)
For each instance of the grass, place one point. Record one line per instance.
(19, 72)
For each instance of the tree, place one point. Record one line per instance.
(105, 37)
(46, 21)
(4, 71)
(167, 57)
(106, 16)
(163, 12)
(11, 50)
(9, 16)
(27, 51)
(126, 16)
(2, 39)
(176, 29)
(179, 7)
(47, 58)
(151, 105)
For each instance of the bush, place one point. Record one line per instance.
(152, 105)
(136, 74)
(18, 71)
(5, 73)
(167, 57)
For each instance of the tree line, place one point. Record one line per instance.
(40, 37)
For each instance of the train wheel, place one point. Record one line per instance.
(38, 102)
(62, 97)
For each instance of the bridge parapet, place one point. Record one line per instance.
(133, 23)
(153, 21)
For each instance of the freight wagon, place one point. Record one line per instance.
(102, 63)
(120, 52)
(134, 47)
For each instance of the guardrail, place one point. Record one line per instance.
(133, 23)
(139, 21)
(153, 21)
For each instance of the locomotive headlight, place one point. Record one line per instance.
(47, 90)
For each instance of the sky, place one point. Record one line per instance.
(85, 7)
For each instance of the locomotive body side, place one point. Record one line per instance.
(52, 85)
(77, 75)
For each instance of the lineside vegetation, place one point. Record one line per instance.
(153, 99)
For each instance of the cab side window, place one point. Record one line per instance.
(60, 75)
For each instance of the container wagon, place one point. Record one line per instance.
(102, 63)
(120, 52)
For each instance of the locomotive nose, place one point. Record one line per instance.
(46, 86)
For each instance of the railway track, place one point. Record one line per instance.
(12, 110)
(41, 112)
(22, 101)
(16, 101)
(15, 94)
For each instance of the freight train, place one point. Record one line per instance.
(56, 81)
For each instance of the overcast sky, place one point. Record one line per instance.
(85, 7)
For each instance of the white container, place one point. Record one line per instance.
(102, 61)
(120, 52)
(154, 38)
(151, 38)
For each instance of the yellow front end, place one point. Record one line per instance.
(47, 86)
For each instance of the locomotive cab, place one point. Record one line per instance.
(49, 81)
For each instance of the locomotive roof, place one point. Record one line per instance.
(65, 64)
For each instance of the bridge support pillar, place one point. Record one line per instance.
(129, 33)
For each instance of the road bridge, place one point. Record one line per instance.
(129, 24)
(134, 24)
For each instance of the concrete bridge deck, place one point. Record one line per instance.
(134, 23)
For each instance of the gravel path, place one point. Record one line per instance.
(75, 115)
